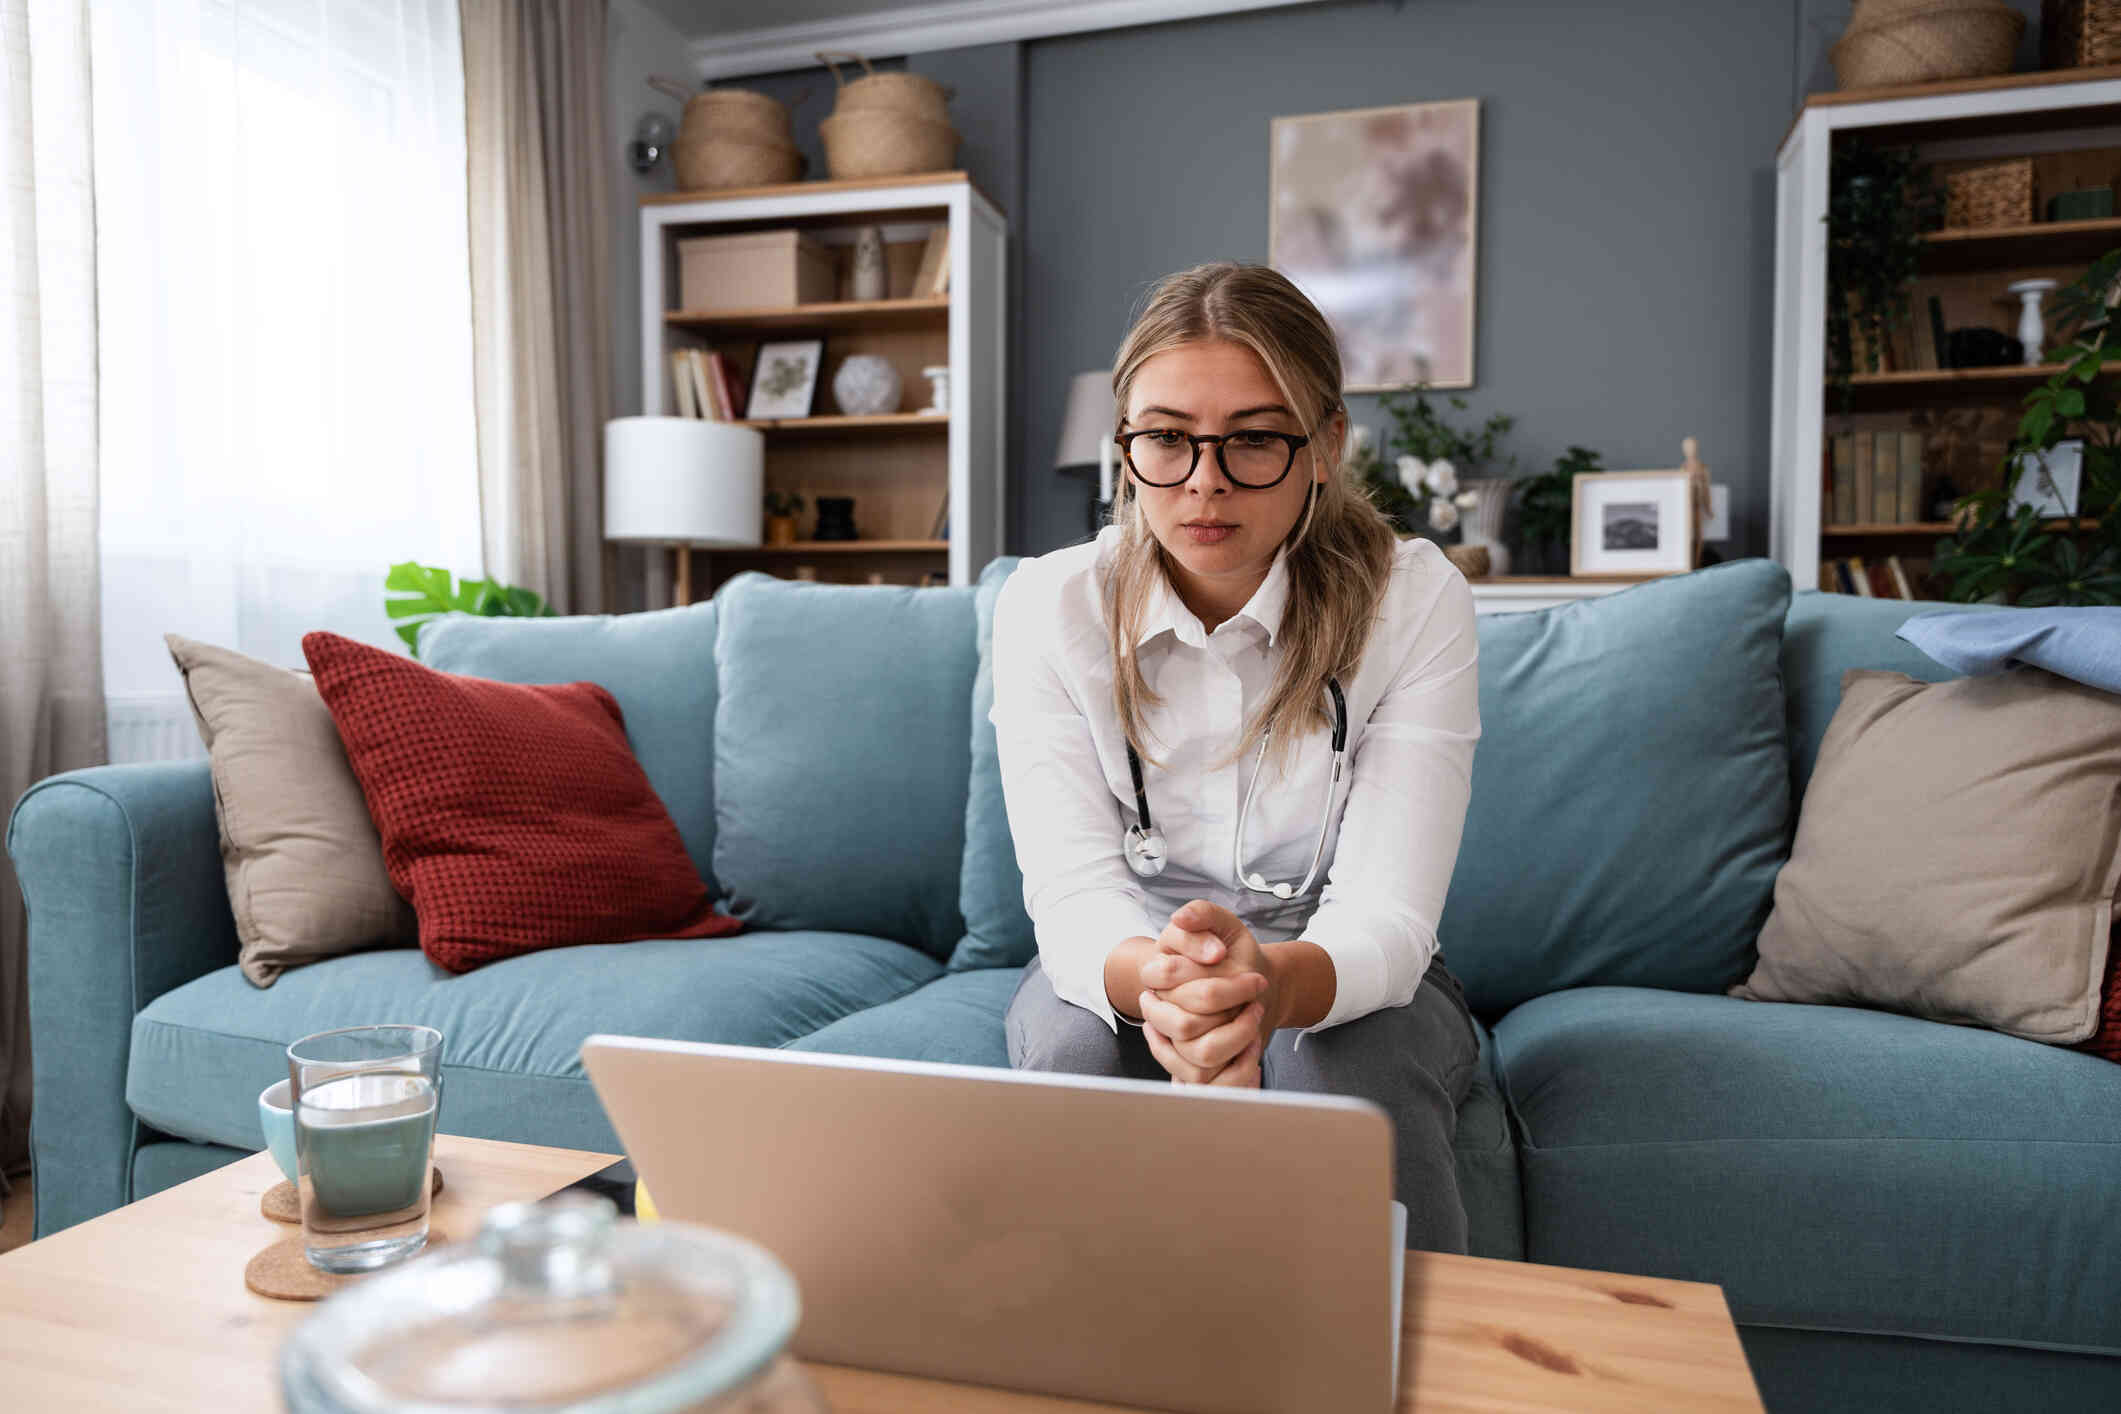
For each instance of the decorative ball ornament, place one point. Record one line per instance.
(866, 385)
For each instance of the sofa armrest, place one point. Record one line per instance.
(121, 869)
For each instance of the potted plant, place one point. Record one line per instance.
(415, 593)
(2005, 553)
(782, 507)
(1880, 202)
(1545, 504)
(1416, 481)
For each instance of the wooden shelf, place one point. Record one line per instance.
(843, 547)
(840, 314)
(819, 188)
(1885, 392)
(827, 426)
(1927, 527)
(2039, 78)
(2043, 243)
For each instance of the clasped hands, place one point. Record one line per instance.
(1208, 995)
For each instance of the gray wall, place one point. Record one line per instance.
(1626, 208)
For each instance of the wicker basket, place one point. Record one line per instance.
(1891, 42)
(717, 161)
(738, 112)
(1473, 561)
(2074, 33)
(899, 91)
(1993, 194)
(882, 142)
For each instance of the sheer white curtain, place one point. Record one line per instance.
(284, 329)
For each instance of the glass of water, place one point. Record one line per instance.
(365, 1100)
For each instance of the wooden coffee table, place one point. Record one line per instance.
(145, 1309)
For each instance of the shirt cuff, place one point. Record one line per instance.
(1076, 935)
(1361, 968)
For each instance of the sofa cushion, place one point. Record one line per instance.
(958, 1019)
(991, 892)
(1823, 637)
(1631, 791)
(841, 756)
(1829, 1167)
(660, 667)
(511, 1030)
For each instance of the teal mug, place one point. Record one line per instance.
(276, 1116)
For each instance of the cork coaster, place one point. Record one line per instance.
(283, 1271)
(283, 1204)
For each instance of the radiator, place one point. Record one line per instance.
(152, 726)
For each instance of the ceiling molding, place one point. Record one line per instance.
(951, 24)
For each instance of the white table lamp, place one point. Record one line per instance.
(684, 481)
(1086, 430)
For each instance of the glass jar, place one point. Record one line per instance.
(560, 1304)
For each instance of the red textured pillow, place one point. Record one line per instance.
(513, 817)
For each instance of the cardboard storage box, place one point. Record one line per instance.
(756, 270)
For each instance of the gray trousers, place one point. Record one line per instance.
(1415, 1061)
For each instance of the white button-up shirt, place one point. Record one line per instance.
(1393, 826)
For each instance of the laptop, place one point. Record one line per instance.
(1181, 1247)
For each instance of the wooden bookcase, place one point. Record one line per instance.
(898, 466)
(2058, 117)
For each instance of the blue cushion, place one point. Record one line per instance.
(1630, 791)
(660, 667)
(1830, 1167)
(841, 756)
(511, 1030)
(991, 892)
(2082, 644)
(157, 1166)
(958, 1019)
(1824, 636)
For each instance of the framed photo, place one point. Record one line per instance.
(2055, 493)
(784, 378)
(1372, 213)
(1631, 524)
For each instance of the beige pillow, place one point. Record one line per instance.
(304, 864)
(1957, 855)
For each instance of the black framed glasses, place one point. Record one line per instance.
(1253, 457)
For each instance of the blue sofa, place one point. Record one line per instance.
(1903, 1215)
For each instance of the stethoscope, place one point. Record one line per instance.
(1143, 843)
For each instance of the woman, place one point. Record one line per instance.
(1245, 596)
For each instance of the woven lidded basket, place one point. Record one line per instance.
(1993, 194)
(1892, 42)
(2074, 33)
(883, 142)
(719, 161)
(898, 90)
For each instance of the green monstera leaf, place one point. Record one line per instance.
(415, 593)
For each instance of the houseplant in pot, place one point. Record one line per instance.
(1416, 481)
(1545, 504)
(782, 507)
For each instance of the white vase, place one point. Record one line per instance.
(1483, 523)
(2032, 323)
(869, 273)
(866, 384)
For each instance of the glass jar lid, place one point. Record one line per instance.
(556, 1305)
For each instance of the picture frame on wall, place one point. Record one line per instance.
(1374, 214)
(1631, 524)
(784, 378)
(2053, 496)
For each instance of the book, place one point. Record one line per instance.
(1881, 577)
(932, 252)
(732, 391)
(1885, 479)
(1911, 482)
(1943, 343)
(1842, 508)
(1844, 578)
(681, 379)
(709, 401)
(1860, 499)
(941, 530)
(938, 282)
(1901, 586)
(1861, 574)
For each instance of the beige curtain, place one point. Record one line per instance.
(540, 290)
(51, 688)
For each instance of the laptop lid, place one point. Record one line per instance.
(1183, 1247)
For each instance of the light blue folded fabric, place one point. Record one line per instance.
(2082, 644)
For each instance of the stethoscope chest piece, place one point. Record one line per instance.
(1145, 851)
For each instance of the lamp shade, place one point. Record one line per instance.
(1086, 427)
(683, 480)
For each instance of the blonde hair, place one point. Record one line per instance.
(1340, 550)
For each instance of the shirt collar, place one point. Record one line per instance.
(1166, 612)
